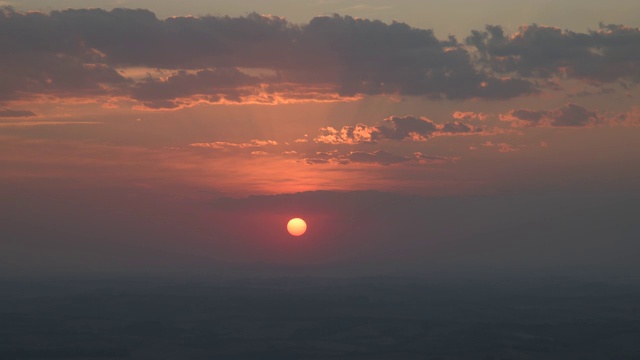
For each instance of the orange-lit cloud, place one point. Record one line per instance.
(394, 128)
(220, 145)
(502, 147)
(469, 115)
(357, 134)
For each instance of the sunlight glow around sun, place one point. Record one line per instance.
(296, 227)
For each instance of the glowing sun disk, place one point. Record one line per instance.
(296, 227)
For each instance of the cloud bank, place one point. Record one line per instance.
(81, 53)
(608, 54)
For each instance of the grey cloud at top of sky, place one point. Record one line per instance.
(577, 15)
(77, 53)
(607, 54)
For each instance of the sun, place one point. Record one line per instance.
(296, 227)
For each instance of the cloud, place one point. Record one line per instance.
(48, 123)
(524, 117)
(80, 53)
(397, 128)
(570, 115)
(316, 161)
(16, 113)
(408, 127)
(378, 157)
(26, 76)
(357, 134)
(458, 127)
(608, 54)
(469, 115)
(216, 85)
(629, 118)
(378, 58)
(223, 145)
(44, 56)
(268, 60)
(502, 147)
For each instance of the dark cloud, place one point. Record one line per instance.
(378, 58)
(219, 84)
(608, 54)
(25, 76)
(316, 161)
(16, 113)
(573, 115)
(533, 117)
(77, 52)
(457, 127)
(401, 128)
(570, 115)
(43, 55)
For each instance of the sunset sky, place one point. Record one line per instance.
(167, 136)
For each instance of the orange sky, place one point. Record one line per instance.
(98, 105)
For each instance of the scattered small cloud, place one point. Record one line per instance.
(348, 135)
(469, 116)
(501, 147)
(630, 118)
(396, 128)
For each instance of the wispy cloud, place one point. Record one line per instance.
(378, 157)
(7, 113)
